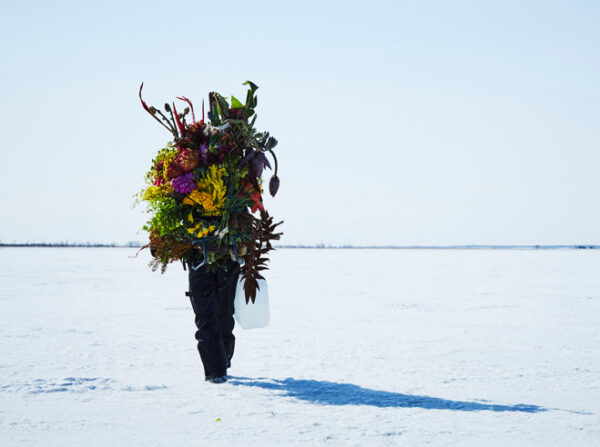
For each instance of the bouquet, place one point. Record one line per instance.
(204, 188)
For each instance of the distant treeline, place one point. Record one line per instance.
(450, 247)
(137, 244)
(71, 244)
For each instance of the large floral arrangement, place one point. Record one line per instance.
(204, 188)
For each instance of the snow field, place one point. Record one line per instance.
(365, 347)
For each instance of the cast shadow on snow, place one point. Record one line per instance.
(332, 393)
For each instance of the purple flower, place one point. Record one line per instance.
(204, 154)
(185, 183)
(257, 162)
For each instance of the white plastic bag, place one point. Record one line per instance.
(252, 315)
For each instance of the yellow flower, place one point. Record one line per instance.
(210, 192)
(199, 230)
(153, 192)
(200, 198)
(205, 231)
(166, 164)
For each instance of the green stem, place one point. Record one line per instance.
(174, 122)
(275, 159)
(166, 120)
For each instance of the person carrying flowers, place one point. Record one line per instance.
(204, 194)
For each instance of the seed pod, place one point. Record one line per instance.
(274, 185)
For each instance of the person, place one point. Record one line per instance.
(212, 293)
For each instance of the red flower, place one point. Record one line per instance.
(257, 202)
(236, 113)
(184, 162)
(254, 195)
(159, 180)
(178, 121)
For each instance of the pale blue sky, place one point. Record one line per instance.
(399, 122)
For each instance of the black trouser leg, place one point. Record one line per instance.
(212, 295)
(204, 297)
(226, 285)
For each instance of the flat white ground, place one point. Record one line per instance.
(365, 348)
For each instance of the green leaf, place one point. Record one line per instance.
(235, 103)
(223, 106)
(215, 114)
(252, 85)
(250, 98)
(271, 143)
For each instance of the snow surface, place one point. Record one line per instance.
(365, 348)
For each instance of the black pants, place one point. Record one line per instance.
(212, 295)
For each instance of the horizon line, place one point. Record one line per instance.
(136, 244)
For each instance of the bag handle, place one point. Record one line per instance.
(205, 257)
